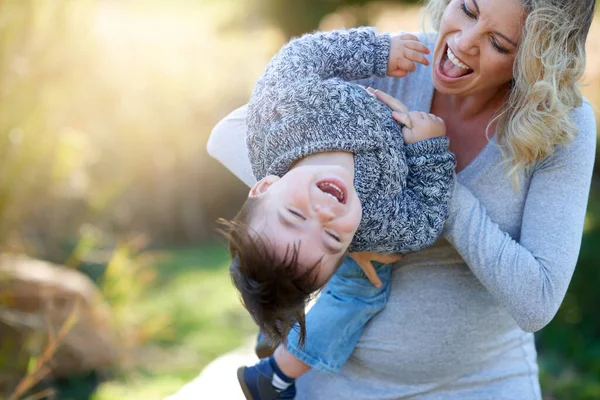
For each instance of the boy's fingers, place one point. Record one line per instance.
(391, 101)
(415, 56)
(435, 117)
(417, 46)
(399, 73)
(406, 65)
(402, 118)
(416, 115)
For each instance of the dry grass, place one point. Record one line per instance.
(40, 367)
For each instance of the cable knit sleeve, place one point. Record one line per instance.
(306, 64)
(418, 214)
(429, 187)
(347, 54)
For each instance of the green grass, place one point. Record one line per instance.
(192, 292)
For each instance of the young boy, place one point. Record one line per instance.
(334, 175)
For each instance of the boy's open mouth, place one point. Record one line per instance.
(334, 188)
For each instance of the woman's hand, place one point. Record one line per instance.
(364, 259)
(405, 51)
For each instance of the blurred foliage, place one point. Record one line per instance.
(39, 150)
(106, 108)
(187, 314)
(297, 17)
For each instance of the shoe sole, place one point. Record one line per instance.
(242, 382)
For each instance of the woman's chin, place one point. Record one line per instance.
(459, 86)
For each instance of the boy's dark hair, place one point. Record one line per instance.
(272, 290)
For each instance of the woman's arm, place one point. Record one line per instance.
(530, 277)
(227, 144)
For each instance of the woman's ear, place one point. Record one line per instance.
(263, 185)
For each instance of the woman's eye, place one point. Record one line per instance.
(468, 13)
(297, 214)
(499, 48)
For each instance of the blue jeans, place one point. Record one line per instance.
(337, 319)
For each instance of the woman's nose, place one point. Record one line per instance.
(467, 42)
(324, 213)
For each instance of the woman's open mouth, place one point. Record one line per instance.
(451, 68)
(334, 188)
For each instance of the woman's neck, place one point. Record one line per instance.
(467, 121)
(475, 106)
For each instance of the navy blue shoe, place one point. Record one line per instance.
(256, 383)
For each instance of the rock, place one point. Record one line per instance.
(36, 296)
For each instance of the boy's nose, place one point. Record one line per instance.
(324, 213)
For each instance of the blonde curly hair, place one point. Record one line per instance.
(549, 62)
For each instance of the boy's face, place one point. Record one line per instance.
(314, 207)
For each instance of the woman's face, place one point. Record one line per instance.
(477, 45)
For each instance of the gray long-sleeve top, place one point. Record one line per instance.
(457, 321)
(303, 104)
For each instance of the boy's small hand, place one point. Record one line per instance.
(364, 259)
(405, 51)
(420, 125)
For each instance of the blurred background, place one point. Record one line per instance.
(113, 283)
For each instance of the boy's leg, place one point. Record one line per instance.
(273, 377)
(336, 321)
(265, 381)
(288, 363)
(333, 327)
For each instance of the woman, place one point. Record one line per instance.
(460, 315)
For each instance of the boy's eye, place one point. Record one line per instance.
(296, 214)
(333, 235)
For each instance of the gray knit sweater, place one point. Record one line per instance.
(303, 104)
